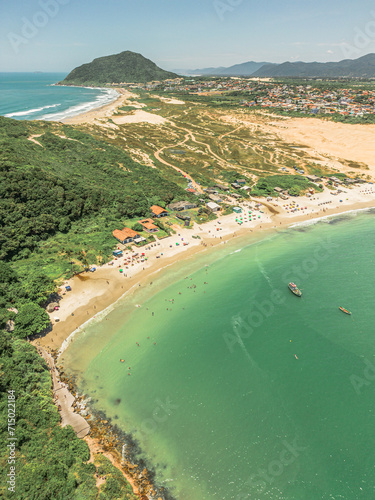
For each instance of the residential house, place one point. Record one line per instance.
(181, 205)
(313, 178)
(215, 198)
(235, 185)
(335, 180)
(157, 211)
(125, 236)
(214, 207)
(221, 187)
(241, 182)
(148, 225)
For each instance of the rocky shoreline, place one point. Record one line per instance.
(120, 447)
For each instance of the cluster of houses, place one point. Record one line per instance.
(128, 235)
(309, 100)
(304, 98)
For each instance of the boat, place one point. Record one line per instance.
(294, 289)
(344, 310)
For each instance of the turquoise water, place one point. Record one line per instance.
(33, 96)
(238, 389)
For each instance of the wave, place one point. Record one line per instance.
(31, 111)
(328, 218)
(105, 98)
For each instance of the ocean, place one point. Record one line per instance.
(33, 96)
(235, 388)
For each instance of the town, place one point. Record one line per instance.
(306, 97)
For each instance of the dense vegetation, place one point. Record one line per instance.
(51, 463)
(127, 67)
(25, 296)
(294, 184)
(69, 182)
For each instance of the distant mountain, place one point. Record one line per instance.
(127, 66)
(243, 69)
(364, 67)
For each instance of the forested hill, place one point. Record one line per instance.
(363, 67)
(127, 66)
(53, 176)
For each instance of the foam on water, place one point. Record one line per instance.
(108, 96)
(29, 96)
(30, 111)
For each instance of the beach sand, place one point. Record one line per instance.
(139, 116)
(344, 147)
(104, 112)
(338, 140)
(93, 292)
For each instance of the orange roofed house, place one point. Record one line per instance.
(149, 226)
(158, 211)
(127, 235)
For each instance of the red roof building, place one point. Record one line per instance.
(158, 211)
(149, 226)
(127, 235)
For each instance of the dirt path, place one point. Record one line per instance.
(32, 139)
(222, 160)
(231, 132)
(196, 186)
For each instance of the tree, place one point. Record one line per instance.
(294, 191)
(137, 227)
(30, 320)
(38, 288)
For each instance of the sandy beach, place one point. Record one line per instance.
(103, 112)
(93, 292)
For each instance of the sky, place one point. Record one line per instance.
(58, 35)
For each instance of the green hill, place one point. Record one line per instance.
(128, 67)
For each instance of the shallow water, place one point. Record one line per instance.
(33, 96)
(237, 388)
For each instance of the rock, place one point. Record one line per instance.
(51, 306)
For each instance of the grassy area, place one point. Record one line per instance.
(294, 184)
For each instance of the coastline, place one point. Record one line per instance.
(93, 293)
(118, 437)
(101, 112)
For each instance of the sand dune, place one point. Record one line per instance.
(140, 116)
(355, 143)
